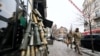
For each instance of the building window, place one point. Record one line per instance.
(85, 23)
(98, 24)
(97, 3)
(97, 13)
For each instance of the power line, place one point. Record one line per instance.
(75, 6)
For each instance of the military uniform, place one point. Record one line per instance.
(77, 39)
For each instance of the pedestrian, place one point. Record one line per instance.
(77, 38)
(70, 38)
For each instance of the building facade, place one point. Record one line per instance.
(91, 11)
(54, 29)
(63, 31)
(57, 32)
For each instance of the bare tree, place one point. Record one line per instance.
(81, 20)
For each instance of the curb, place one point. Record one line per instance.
(89, 52)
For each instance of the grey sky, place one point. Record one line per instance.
(63, 13)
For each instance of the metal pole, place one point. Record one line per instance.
(15, 26)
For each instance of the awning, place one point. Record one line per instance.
(97, 30)
(47, 23)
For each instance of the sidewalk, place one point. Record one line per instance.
(60, 49)
(89, 52)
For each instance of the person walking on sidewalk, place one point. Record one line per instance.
(77, 38)
(70, 38)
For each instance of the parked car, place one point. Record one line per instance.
(60, 38)
(87, 40)
(50, 40)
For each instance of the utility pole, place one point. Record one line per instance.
(89, 24)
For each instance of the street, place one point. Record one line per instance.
(60, 49)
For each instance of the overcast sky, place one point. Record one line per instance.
(63, 13)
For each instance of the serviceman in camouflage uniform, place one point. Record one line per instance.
(77, 38)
